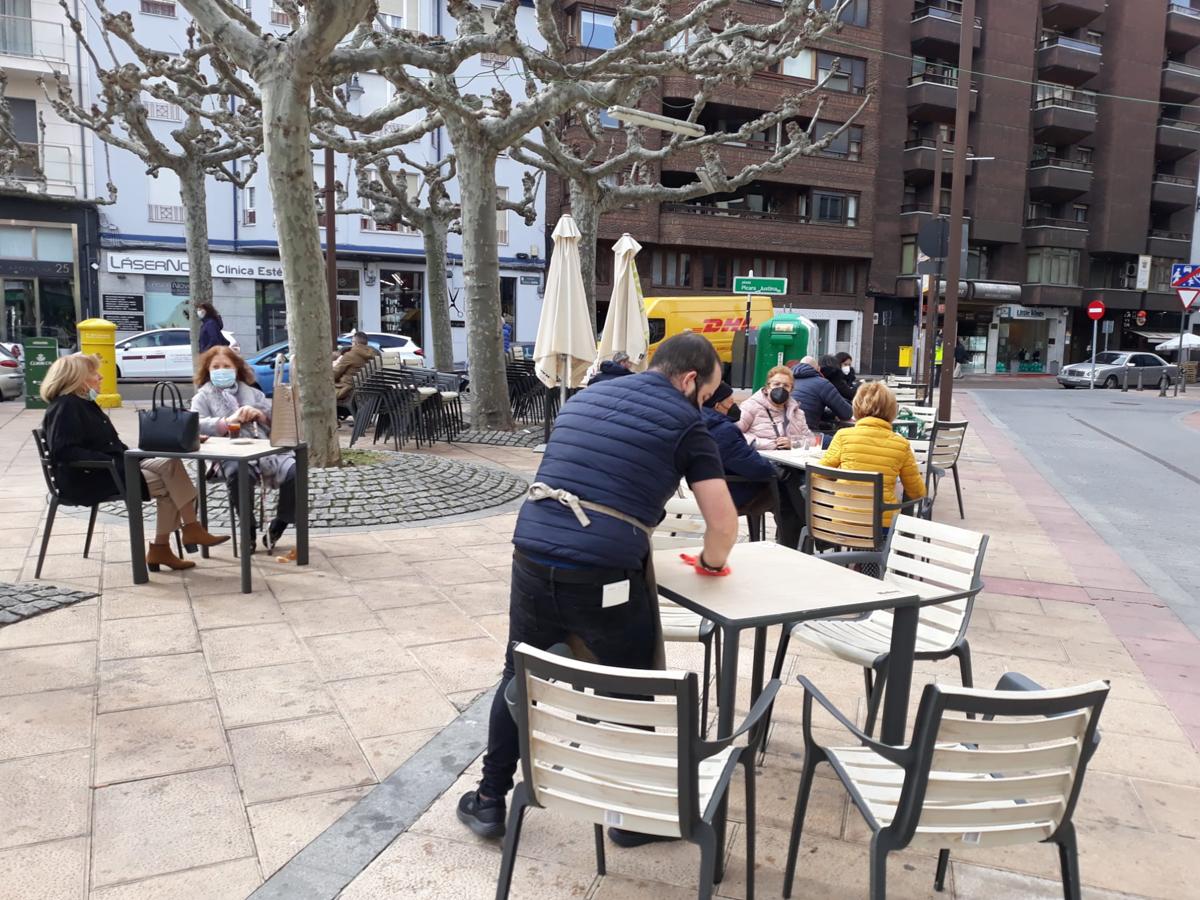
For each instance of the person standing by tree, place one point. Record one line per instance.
(211, 325)
(615, 457)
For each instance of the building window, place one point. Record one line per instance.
(400, 14)
(856, 12)
(16, 29)
(280, 17)
(401, 300)
(847, 145)
(715, 272)
(597, 30)
(165, 199)
(838, 277)
(1160, 274)
(851, 74)
(830, 208)
(801, 276)
(249, 210)
(161, 110)
(502, 217)
(159, 8)
(908, 255)
(671, 269)
(1052, 265)
(1079, 212)
(802, 65)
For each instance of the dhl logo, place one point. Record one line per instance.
(713, 326)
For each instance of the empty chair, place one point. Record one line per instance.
(592, 752)
(938, 563)
(845, 509)
(984, 769)
(945, 446)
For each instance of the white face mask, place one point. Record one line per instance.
(200, 314)
(845, 370)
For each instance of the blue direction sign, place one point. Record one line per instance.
(1185, 275)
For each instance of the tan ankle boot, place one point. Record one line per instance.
(195, 533)
(160, 555)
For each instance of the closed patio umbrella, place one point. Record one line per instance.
(625, 326)
(566, 343)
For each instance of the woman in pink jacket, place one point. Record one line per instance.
(771, 419)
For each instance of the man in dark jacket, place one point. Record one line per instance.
(737, 456)
(619, 365)
(816, 395)
(582, 564)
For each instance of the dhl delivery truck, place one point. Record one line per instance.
(717, 318)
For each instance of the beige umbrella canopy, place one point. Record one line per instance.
(566, 344)
(625, 327)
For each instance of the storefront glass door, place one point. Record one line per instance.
(401, 303)
(56, 300)
(1023, 346)
(20, 310)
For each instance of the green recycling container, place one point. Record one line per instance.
(783, 339)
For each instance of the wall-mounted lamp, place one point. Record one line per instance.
(226, 281)
(369, 279)
(120, 276)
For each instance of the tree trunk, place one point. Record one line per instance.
(586, 212)
(434, 232)
(192, 190)
(481, 272)
(286, 122)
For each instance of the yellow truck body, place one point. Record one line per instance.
(717, 318)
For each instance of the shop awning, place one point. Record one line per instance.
(1156, 337)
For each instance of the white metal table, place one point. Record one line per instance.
(217, 449)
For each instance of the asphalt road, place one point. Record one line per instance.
(1129, 464)
(140, 391)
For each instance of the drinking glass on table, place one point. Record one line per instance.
(235, 429)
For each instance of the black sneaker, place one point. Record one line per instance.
(484, 817)
(623, 838)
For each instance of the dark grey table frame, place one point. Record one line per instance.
(210, 451)
(894, 718)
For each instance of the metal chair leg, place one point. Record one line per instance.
(943, 863)
(707, 642)
(806, 781)
(512, 837)
(50, 513)
(707, 839)
(958, 490)
(1068, 857)
(87, 544)
(875, 697)
(878, 869)
(748, 765)
(601, 865)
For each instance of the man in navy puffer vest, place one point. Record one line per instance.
(621, 445)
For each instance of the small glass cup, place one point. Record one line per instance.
(235, 429)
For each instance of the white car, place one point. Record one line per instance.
(161, 353)
(400, 345)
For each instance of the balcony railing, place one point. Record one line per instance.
(55, 161)
(1175, 179)
(171, 215)
(1049, 95)
(1170, 235)
(33, 38)
(950, 10)
(935, 75)
(908, 209)
(1182, 68)
(1164, 122)
(1184, 9)
(931, 143)
(1060, 163)
(1050, 222)
(1061, 40)
(694, 209)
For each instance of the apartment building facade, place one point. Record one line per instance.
(381, 277)
(48, 224)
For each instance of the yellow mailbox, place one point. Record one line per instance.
(906, 355)
(99, 336)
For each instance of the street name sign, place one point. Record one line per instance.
(743, 284)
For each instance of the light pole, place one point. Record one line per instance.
(958, 179)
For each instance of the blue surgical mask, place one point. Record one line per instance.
(223, 378)
(93, 394)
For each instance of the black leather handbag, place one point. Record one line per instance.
(168, 426)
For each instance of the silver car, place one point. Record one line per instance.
(12, 374)
(1111, 366)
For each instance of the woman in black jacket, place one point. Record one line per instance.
(210, 327)
(77, 430)
(832, 370)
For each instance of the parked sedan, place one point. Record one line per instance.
(12, 375)
(1111, 365)
(388, 344)
(161, 353)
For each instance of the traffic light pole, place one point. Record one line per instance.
(958, 184)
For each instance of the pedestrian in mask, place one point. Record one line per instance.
(771, 419)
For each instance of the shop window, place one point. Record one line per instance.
(16, 242)
(55, 244)
(401, 301)
(348, 281)
(670, 269)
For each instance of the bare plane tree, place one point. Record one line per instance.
(212, 139)
(19, 163)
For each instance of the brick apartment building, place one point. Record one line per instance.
(1076, 183)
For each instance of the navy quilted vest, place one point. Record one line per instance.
(613, 443)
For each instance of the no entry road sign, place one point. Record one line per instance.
(1096, 310)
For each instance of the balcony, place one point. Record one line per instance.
(1070, 14)
(1066, 60)
(937, 28)
(1044, 231)
(1173, 244)
(914, 215)
(1054, 180)
(933, 95)
(709, 226)
(32, 45)
(1062, 115)
(1172, 192)
(1175, 139)
(1183, 27)
(1180, 83)
(53, 165)
(919, 156)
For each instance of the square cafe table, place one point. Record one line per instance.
(217, 449)
(771, 585)
(796, 459)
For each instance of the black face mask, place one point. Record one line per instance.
(734, 414)
(779, 395)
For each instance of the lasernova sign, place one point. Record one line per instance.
(174, 264)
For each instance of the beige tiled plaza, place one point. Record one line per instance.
(179, 739)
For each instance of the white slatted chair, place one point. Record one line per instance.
(1010, 777)
(622, 747)
(683, 528)
(946, 442)
(935, 561)
(926, 414)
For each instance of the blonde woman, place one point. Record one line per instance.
(77, 430)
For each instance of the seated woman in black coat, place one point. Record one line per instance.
(77, 430)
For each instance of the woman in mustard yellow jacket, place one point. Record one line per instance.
(872, 446)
